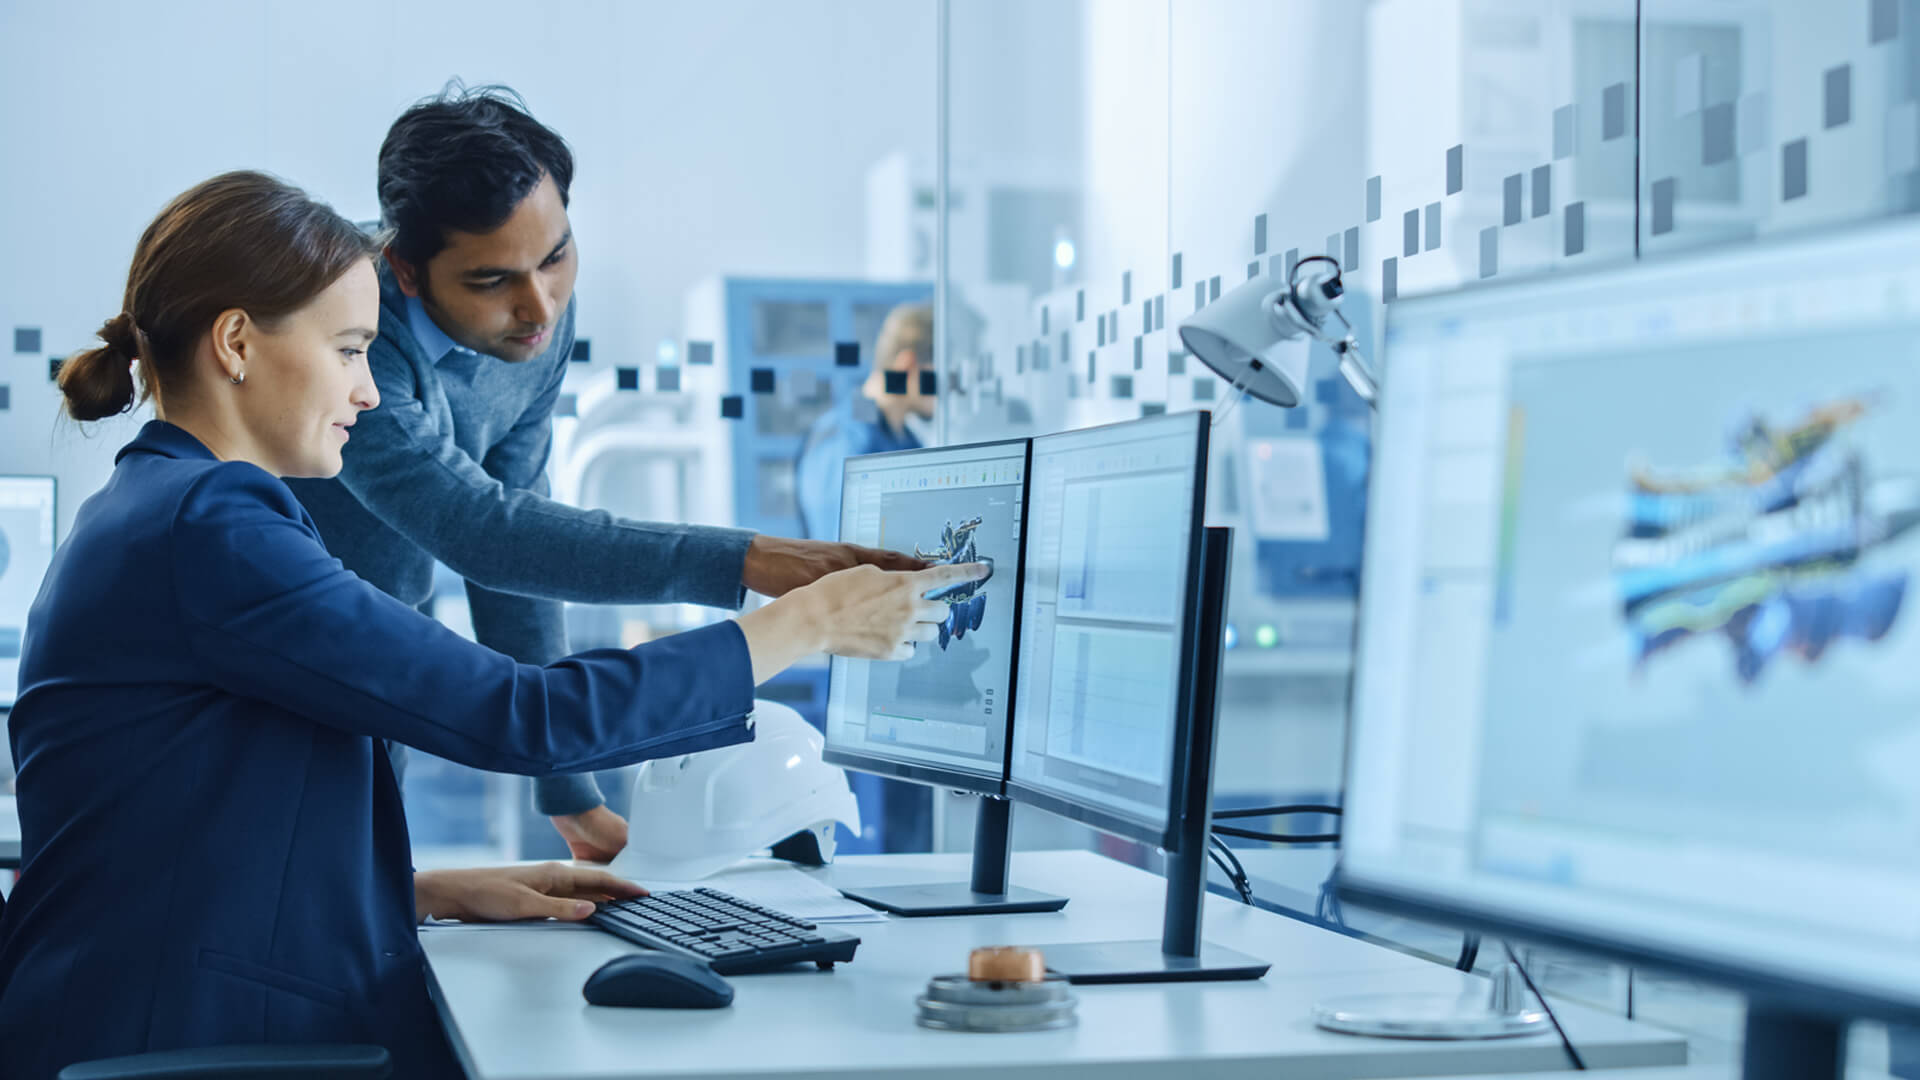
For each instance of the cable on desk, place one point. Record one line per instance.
(1469, 953)
(1273, 811)
(1327, 908)
(1222, 855)
(1277, 838)
(1542, 999)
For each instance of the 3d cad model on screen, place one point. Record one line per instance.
(1772, 546)
(967, 601)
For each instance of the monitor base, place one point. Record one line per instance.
(953, 898)
(1092, 963)
(1502, 1013)
(1423, 1016)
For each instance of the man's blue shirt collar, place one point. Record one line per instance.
(433, 340)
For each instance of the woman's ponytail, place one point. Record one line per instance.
(99, 382)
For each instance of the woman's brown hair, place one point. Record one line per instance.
(241, 240)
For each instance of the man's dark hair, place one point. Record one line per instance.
(463, 159)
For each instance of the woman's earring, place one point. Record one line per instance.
(237, 379)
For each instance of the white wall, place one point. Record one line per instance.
(730, 136)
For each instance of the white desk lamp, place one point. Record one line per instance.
(1244, 335)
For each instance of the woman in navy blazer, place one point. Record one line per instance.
(214, 848)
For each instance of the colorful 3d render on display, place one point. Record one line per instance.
(967, 601)
(1773, 546)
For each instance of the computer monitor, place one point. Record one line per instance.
(1636, 669)
(26, 548)
(1120, 633)
(1106, 650)
(941, 717)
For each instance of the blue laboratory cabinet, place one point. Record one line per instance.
(791, 336)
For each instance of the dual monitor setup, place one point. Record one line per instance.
(1079, 677)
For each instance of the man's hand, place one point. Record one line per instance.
(502, 894)
(776, 565)
(595, 835)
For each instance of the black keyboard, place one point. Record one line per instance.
(732, 935)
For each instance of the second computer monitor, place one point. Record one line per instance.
(1636, 662)
(1107, 614)
(940, 717)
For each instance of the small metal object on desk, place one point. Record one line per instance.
(1005, 989)
(1006, 963)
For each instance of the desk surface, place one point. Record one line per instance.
(511, 997)
(1680, 1073)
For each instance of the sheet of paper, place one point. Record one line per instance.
(523, 924)
(775, 884)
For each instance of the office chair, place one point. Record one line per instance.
(264, 1062)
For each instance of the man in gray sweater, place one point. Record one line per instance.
(476, 328)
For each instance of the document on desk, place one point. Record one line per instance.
(772, 883)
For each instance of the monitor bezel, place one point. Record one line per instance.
(53, 486)
(53, 491)
(1167, 836)
(1802, 991)
(934, 775)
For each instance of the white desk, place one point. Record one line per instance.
(1682, 1073)
(511, 999)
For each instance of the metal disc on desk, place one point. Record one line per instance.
(957, 1003)
(1425, 1016)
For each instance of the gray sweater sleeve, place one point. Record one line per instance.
(414, 477)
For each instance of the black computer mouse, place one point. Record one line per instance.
(657, 980)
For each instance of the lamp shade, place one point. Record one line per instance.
(1244, 338)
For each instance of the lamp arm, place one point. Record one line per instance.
(1289, 322)
(1358, 372)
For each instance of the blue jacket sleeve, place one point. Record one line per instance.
(273, 617)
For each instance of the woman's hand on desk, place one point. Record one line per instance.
(507, 893)
(865, 613)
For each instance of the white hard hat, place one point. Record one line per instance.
(698, 814)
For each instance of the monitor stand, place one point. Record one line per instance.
(1787, 1045)
(988, 892)
(1180, 955)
